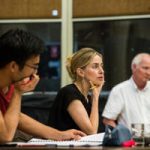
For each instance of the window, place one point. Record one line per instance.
(118, 40)
(50, 65)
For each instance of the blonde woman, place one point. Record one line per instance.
(77, 104)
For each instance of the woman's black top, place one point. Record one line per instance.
(59, 117)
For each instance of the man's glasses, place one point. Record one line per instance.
(35, 67)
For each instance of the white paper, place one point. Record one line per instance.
(91, 140)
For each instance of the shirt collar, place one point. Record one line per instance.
(135, 86)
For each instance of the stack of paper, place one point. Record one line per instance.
(91, 140)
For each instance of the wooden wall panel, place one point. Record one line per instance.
(28, 9)
(96, 8)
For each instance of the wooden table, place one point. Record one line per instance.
(74, 148)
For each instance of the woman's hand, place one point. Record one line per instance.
(71, 134)
(96, 89)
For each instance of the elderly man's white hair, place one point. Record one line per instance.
(138, 58)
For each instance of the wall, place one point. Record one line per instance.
(27, 9)
(97, 8)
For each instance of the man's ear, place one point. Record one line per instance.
(13, 66)
(134, 66)
(80, 72)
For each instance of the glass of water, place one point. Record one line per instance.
(147, 134)
(138, 133)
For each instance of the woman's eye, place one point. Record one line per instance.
(95, 66)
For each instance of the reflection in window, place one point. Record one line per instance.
(49, 68)
(118, 40)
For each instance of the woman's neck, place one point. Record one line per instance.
(82, 88)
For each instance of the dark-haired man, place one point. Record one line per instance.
(19, 58)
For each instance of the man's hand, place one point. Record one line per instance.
(71, 135)
(27, 84)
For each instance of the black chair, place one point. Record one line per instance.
(37, 105)
(102, 102)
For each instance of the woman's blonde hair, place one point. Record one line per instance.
(80, 59)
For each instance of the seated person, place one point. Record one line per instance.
(19, 58)
(129, 101)
(77, 104)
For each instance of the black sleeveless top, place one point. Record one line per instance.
(59, 117)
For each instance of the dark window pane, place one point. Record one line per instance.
(49, 68)
(118, 40)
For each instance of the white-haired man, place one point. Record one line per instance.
(129, 101)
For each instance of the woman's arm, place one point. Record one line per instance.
(88, 124)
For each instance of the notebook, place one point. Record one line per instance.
(90, 140)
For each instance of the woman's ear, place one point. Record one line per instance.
(80, 72)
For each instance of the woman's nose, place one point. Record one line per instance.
(101, 70)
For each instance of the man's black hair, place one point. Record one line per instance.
(19, 46)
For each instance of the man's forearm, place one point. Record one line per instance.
(109, 122)
(11, 118)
